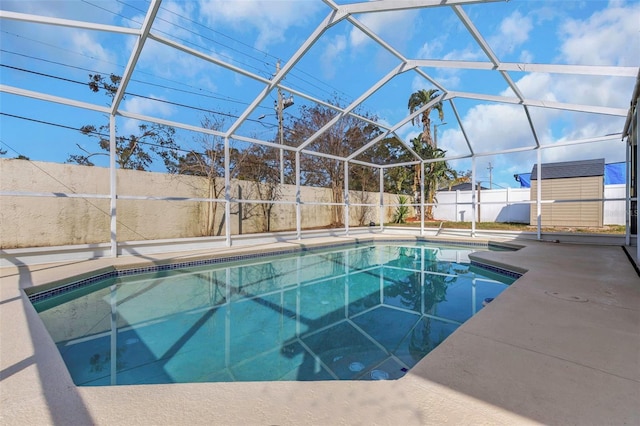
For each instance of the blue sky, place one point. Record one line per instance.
(344, 62)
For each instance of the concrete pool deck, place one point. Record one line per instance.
(560, 346)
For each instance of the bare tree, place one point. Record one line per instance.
(260, 167)
(206, 162)
(340, 140)
(134, 151)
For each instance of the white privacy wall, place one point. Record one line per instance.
(614, 211)
(512, 205)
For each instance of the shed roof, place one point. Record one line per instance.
(570, 169)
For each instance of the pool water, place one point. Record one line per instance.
(365, 312)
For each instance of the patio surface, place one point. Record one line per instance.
(560, 346)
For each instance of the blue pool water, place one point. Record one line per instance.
(362, 312)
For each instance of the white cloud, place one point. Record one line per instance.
(330, 58)
(538, 86)
(430, 49)
(271, 19)
(448, 78)
(526, 56)
(150, 107)
(86, 44)
(470, 53)
(153, 106)
(513, 32)
(169, 21)
(386, 25)
(171, 63)
(68, 9)
(492, 127)
(408, 133)
(608, 37)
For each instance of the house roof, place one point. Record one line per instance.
(569, 169)
(465, 186)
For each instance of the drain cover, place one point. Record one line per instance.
(379, 375)
(356, 366)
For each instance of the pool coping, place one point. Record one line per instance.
(52, 289)
(528, 357)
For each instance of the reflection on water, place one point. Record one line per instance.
(363, 313)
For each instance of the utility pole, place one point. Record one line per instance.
(435, 134)
(279, 110)
(490, 176)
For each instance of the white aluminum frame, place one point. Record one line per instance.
(350, 14)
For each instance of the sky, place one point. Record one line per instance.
(340, 66)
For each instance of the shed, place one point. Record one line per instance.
(570, 180)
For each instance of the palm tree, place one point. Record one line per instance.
(416, 101)
(435, 173)
(419, 99)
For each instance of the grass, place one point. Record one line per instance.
(523, 227)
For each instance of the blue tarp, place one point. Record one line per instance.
(614, 173)
(524, 179)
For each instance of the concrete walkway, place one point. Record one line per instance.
(560, 346)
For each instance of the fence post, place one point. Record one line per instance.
(508, 206)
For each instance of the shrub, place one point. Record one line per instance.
(402, 211)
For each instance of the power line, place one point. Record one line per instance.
(292, 74)
(41, 74)
(60, 48)
(158, 18)
(120, 66)
(211, 96)
(225, 114)
(262, 52)
(34, 120)
(95, 133)
(110, 11)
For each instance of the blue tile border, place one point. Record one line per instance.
(496, 269)
(46, 294)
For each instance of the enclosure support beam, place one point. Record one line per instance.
(49, 20)
(135, 54)
(227, 194)
(539, 193)
(381, 210)
(398, 125)
(329, 21)
(461, 124)
(112, 186)
(298, 200)
(634, 138)
(346, 198)
(397, 70)
(473, 196)
(422, 206)
(627, 189)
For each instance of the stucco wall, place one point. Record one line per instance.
(58, 218)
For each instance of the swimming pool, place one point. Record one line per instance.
(359, 312)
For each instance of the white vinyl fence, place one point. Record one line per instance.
(512, 205)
